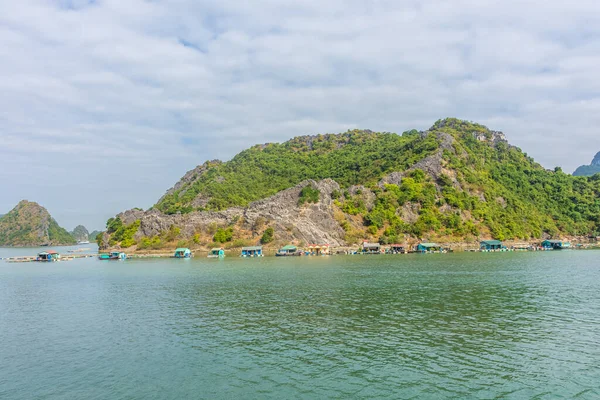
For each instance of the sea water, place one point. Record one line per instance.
(466, 326)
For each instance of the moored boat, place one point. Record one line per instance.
(252, 251)
(426, 248)
(555, 245)
(113, 255)
(317, 250)
(371, 248)
(396, 249)
(216, 253)
(182, 253)
(288, 251)
(48, 256)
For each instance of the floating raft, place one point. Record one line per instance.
(150, 255)
(25, 259)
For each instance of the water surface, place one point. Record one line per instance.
(508, 325)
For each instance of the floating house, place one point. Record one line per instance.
(555, 244)
(252, 251)
(318, 249)
(216, 253)
(428, 248)
(491, 245)
(182, 253)
(48, 256)
(114, 255)
(371, 248)
(289, 250)
(397, 249)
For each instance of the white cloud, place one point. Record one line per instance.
(115, 100)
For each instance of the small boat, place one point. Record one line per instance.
(182, 253)
(396, 249)
(113, 255)
(288, 251)
(48, 256)
(371, 248)
(252, 251)
(317, 250)
(216, 253)
(84, 242)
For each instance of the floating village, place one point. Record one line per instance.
(311, 250)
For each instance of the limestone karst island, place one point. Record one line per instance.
(457, 184)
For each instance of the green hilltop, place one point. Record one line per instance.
(29, 224)
(455, 181)
(352, 158)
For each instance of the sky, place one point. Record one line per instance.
(105, 104)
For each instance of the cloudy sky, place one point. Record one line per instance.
(105, 104)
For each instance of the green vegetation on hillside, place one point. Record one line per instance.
(499, 192)
(268, 236)
(223, 235)
(121, 233)
(58, 235)
(308, 194)
(92, 236)
(355, 157)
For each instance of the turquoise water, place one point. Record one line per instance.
(465, 326)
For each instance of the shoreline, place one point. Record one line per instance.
(270, 251)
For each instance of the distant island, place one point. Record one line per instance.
(457, 181)
(92, 236)
(29, 224)
(589, 170)
(80, 233)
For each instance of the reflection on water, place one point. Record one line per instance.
(424, 326)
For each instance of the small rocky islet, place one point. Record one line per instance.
(29, 224)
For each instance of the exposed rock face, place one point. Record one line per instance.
(309, 140)
(395, 178)
(493, 137)
(309, 223)
(596, 160)
(80, 233)
(29, 224)
(432, 165)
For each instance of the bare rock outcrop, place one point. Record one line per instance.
(432, 165)
(308, 223)
(395, 178)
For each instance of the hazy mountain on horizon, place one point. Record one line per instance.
(589, 170)
(80, 233)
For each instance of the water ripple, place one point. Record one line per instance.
(457, 326)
